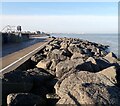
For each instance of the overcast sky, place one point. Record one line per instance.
(66, 17)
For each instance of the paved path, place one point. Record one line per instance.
(9, 59)
(13, 47)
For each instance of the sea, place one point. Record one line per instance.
(105, 39)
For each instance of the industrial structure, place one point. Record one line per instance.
(13, 34)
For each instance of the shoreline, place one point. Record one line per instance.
(102, 38)
(65, 69)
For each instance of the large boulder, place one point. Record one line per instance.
(110, 73)
(87, 88)
(23, 99)
(56, 51)
(56, 54)
(37, 57)
(77, 55)
(39, 76)
(73, 48)
(111, 57)
(103, 63)
(16, 81)
(48, 48)
(65, 66)
(88, 52)
(86, 66)
(94, 64)
(53, 66)
(45, 64)
(64, 45)
(66, 52)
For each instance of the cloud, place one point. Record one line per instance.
(65, 23)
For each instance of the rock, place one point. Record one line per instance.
(39, 76)
(56, 46)
(65, 66)
(94, 49)
(52, 96)
(73, 48)
(64, 45)
(37, 57)
(88, 52)
(94, 64)
(16, 81)
(50, 84)
(45, 64)
(111, 54)
(118, 76)
(87, 88)
(53, 65)
(110, 73)
(77, 55)
(92, 60)
(48, 48)
(22, 99)
(58, 57)
(55, 42)
(86, 66)
(56, 51)
(66, 53)
(41, 90)
(111, 57)
(102, 63)
(103, 52)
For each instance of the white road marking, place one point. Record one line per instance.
(22, 57)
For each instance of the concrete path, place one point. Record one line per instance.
(13, 47)
(16, 58)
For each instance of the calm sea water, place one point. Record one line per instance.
(106, 39)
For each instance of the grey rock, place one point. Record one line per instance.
(16, 81)
(52, 96)
(73, 48)
(94, 64)
(39, 76)
(77, 55)
(53, 65)
(45, 64)
(56, 51)
(65, 66)
(87, 88)
(22, 99)
(37, 57)
(58, 57)
(110, 73)
(86, 66)
(48, 48)
(102, 63)
(64, 45)
(88, 52)
(111, 57)
(66, 53)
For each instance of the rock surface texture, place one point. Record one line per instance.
(66, 71)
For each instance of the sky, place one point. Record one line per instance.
(62, 17)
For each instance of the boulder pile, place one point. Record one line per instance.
(67, 71)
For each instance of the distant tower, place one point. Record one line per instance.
(19, 29)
